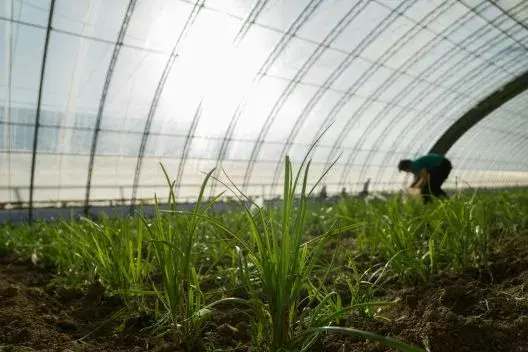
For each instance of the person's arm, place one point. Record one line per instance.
(420, 179)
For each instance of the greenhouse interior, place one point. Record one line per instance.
(264, 175)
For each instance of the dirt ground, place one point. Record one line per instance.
(486, 311)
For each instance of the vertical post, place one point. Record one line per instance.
(37, 118)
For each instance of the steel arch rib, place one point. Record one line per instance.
(331, 79)
(395, 47)
(346, 130)
(108, 79)
(514, 60)
(520, 141)
(390, 106)
(405, 91)
(393, 102)
(430, 67)
(431, 121)
(270, 60)
(511, 37)
(520, 146)
(428, 123)
(241, 34)
(523, 150)
(507, 13)
(37, 117)
(159, 90)
(480, 111)
(187, 147)
(439, 98)
(335, 33)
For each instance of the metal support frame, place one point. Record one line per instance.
(431, 123)
(37, 118)
(157, 95)
(301, 19)
(7, 107)
(516, 62)
(416, 29)
(405, 91)
(455, 68)
(480, 111)
(346, 130)
(187, 148)
(516, 146)
(434, 104)
(512, 63)
(109, 74)
(478, 78)
(332, 78)
(520, 138)
(393, 103)
(520, 147)
(321, 48)
(244, 29)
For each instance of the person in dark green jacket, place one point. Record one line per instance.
(430, 171)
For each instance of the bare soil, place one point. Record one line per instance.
(473, 311)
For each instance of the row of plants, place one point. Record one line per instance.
(276, 263)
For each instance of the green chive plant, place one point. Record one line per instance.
(277, 265)
(175, 242)
(115, 253)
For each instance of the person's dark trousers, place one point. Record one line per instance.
(437, 177)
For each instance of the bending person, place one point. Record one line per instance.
(430, 171)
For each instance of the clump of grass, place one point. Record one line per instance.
(277, 265)
(416, 241)
(175, 243)
(112, 252)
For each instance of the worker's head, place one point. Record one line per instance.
(405, 165)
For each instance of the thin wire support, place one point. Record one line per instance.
(241, 34)
(155, 100)
(321, 48)
(350, 123)
(479, 33)
(187, 148)
(515, 148)
(408, 89)
(7, 107)
(332, 78)
(301, 19)
(84, 36)
(429, 125)
(37, 118)
(109, 74)
(479, 112)
(520, 149)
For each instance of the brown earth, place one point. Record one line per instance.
(472, 311)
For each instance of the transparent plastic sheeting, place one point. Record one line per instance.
(502, 138)
(240, 84)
